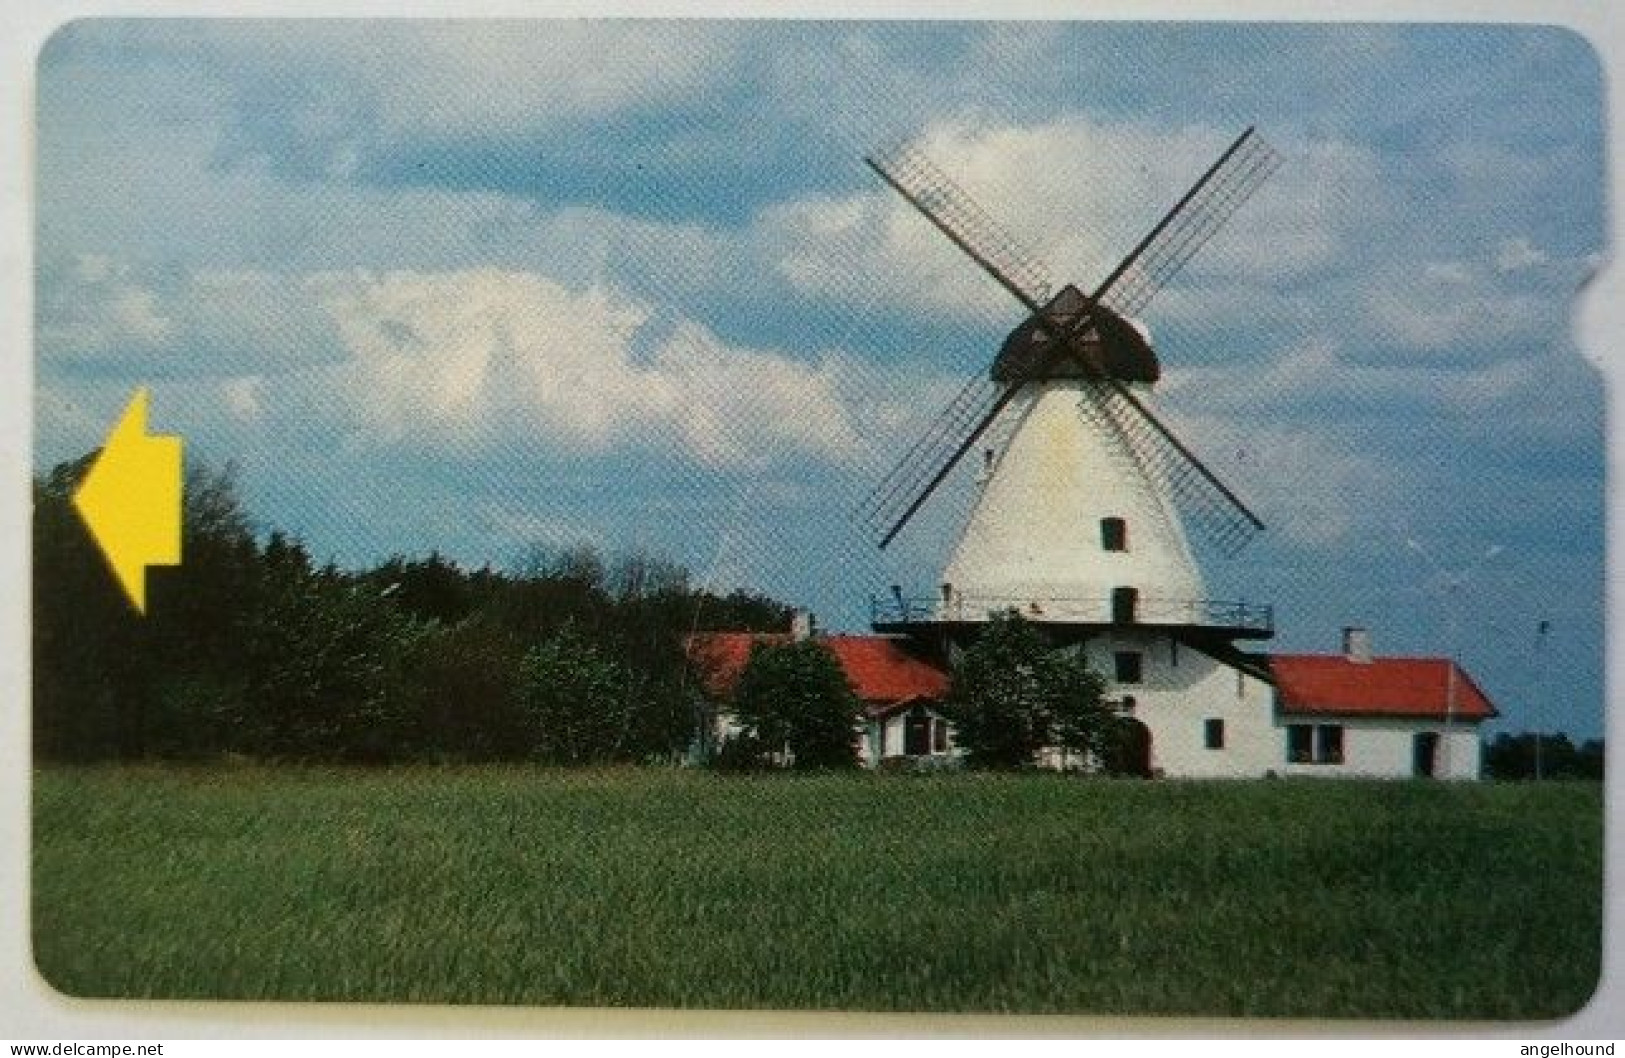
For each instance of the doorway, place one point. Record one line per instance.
(1129, 752)
(917, 733)
(1124, 603)
(1425, 754)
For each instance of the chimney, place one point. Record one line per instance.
(1357, 645)
(802, 625)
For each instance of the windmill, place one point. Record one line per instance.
(1083, 489)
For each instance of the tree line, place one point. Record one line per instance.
(1515, 756)
(252, 648)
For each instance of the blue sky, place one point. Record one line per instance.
(484, 286)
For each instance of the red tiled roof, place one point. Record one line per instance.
(1419, 688)
(719, 657)
(879, 669)
(882, 672)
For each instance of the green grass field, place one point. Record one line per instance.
(864, 892)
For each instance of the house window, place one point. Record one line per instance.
(939, 737)
(1213, 733)
(1329, 744)
(1314, 743)
(1113, 534)
(1127, 666)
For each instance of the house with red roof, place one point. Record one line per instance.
(1349, 714)
(1357, 714)
(899, 687)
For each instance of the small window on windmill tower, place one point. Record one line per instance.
(1113, 534)
(1126, 665)
(1213, 732)
(1124, 601)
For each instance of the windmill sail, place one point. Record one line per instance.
(967, 225)
(1201, 497)
(1192, 221)
(1189, 224)
(894, 498)
(919, 471)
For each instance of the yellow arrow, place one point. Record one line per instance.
(131, 500)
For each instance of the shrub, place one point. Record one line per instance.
(1012, 695)
(794, 701)
(573, 701)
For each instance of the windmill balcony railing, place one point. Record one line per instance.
(897, 609)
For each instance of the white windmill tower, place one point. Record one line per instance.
(1083, 492)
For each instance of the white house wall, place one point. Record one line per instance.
(1384, 748)
(1179, 690)
(891, 736)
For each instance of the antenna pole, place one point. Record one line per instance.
(1540, 689)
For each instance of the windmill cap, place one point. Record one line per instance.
(1112, 345)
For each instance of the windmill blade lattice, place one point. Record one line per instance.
(1190, 224)
(1205, 503)
(888, 503)
(970, 227)
(1184, 229)
(951, 433)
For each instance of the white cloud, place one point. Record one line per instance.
(1442, 321)
(243, 399)
(1463, 308)
(1308, 487)
(1084, 192)
(1447, 272)
(490, 358)
(1487, 173)
(1078, 195)
(527, 74)
(733, 405)
(507, 521)
(1322, 447)
(535, 72)
(99, 313)
(1516, 255)
(97, 309)
(1316, 380)
(871, 249)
